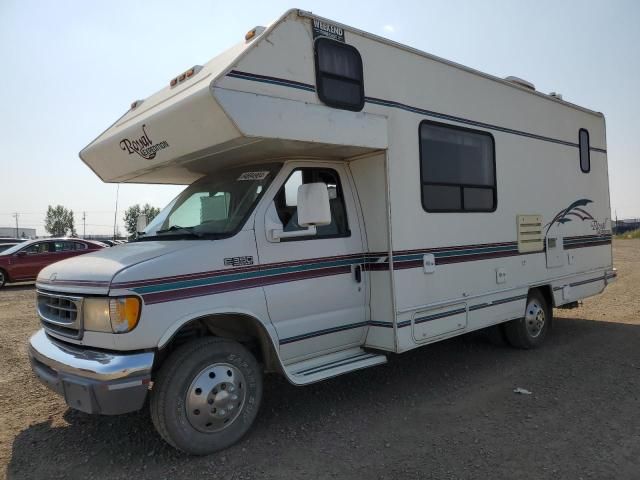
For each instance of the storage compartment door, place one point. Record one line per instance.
(437, 322)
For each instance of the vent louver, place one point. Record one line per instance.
(530, 238)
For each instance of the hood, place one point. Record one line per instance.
(93, 272)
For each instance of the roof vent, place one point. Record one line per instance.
(521, 82)
(556, 95)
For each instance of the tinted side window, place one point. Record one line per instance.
(36, 248)
(585, 157)
(339, 77)
(79, 246)
(457, 169)
(61, 246)
(286, 201)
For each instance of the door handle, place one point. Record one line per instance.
(357, 272)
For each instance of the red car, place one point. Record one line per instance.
(23, 262)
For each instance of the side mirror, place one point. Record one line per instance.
(141, 223)
(313, 205)
(21, 253)
(313, 210)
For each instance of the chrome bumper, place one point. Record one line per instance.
(92, 381)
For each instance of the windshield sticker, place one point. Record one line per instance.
(324, 29)
(251, 176)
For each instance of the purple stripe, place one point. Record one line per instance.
(160, 297)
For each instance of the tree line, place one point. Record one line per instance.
(59, 221)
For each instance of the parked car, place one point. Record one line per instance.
(11, 240)
(7, 246)
(23, 261)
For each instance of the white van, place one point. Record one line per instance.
(349, 198)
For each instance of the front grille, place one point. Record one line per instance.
(60, 314)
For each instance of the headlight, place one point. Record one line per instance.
(113, 315)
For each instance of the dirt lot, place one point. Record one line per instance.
(443, 412)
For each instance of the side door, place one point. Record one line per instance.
(30, 260)
(314, 285)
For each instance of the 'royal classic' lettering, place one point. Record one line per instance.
(143, 145)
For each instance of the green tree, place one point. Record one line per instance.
(59, 221)
(131, 216)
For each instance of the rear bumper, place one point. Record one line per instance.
(92, 381)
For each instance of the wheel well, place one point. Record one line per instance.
(547, 293)
(244, 329)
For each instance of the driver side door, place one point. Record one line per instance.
(315, 286)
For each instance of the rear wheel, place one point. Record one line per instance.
(531, 330)
(3, 278)
(206, 395)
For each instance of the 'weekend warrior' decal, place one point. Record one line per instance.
(143, 145)
(324, 29)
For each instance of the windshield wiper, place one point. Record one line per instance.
(175, 228)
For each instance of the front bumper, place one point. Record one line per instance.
(92, 381)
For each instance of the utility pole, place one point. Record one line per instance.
(16, 215)
(115, 215)
(84, 224)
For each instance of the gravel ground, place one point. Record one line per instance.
(447, 411)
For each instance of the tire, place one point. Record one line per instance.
(206, 395)
(531, 330)
(3, 278)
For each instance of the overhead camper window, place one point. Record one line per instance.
(339, 77)
(457, 169)
(585, 158)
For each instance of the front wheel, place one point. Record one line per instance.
(531, 330)
(206, 395)
(3, 278)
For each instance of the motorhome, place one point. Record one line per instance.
(349, 198)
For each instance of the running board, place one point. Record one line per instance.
(331, 365)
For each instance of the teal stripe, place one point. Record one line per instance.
(455, 253)
(213, 280)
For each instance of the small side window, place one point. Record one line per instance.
(339, 77)
(585, 158)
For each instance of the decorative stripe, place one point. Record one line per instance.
(403, 324)
(271, 80)
(393, 104)
(178, 287)
(326, 331)
(76, 283)
(608, 276)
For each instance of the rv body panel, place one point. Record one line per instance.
(403, 276)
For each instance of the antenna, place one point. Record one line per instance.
(115, 215)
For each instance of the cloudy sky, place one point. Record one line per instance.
(70, 68)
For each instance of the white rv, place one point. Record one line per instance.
(349, 198)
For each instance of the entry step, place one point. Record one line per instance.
(332, 364)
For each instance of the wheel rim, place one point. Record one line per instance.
(1, 278)
(534, 319)
(215, 397)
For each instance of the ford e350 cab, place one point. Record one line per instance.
(348, 198)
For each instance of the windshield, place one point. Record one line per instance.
(215, 206)
(12, 250)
